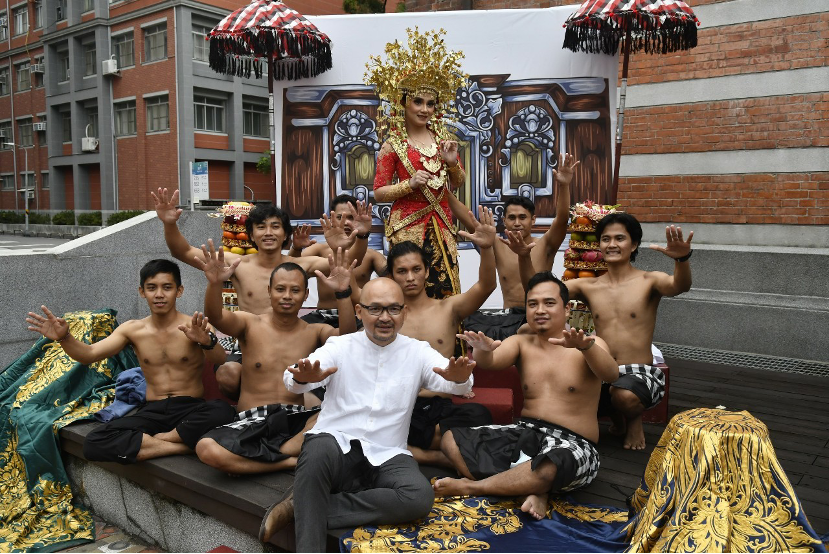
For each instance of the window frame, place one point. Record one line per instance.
(262, 113)
(117, 43)
(3, 178)
(117, 110)
(90, 47)
(23, 68)
(204, 101)
(150, 34)
(66, 128)
(21, 11)
(25, 133)
(152, 104)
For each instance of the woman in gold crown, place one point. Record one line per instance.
(418, 166)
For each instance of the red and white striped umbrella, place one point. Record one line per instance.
(273, 31)
(654, 26)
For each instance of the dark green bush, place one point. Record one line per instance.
(9, 216)
(90, 218)
(36, 218)
(66, 217)
(118, 217)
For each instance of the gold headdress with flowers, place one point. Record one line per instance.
(426, 66)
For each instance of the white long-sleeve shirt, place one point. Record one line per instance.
(373, 392)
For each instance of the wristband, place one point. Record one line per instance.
(684, 258)
(213, 340)
(588, 348)
(364, 236)
(299, 382)
(66, 336)
(342, 295)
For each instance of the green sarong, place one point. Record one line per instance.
(40, 393)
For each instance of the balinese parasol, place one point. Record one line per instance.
(652, 26)
(293, 47)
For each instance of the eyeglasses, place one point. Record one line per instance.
(374, 310)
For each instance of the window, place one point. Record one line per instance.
(158, 113)
(89, 60)
(21, 20)
(4, 29)
(155, 41)
(201, 48)
(92, 121)
(4, 81)
(61, 10)
(67, 126)
(41, 135)
(255, 119)
(123, 46)
(88, 6)
(44, 180)
(38, 14)
(24, 130)
(27, 181)
(210, 114)
(24, 76)
(38, 77)
(125, 118)
(8, 182)
(63, 66)
(6, 132)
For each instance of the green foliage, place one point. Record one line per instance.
(92, 219)
(364, 6)
(263, 166)
(36, 218)
(401, 7)
(9, 216)
(66, 217)
(118, 217)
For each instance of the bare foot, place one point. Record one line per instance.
(169, 436)
(535, 505)
(635, 436)
(452, 487)
(470, 394)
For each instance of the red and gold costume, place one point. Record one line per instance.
(423, 215)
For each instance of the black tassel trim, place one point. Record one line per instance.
(295, 56)
(602, 35)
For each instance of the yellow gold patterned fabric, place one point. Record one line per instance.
(40, 393)
(713, 484)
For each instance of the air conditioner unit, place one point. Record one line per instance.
(2, 134)
(89, 144)
(37, 68)
(110, 67)
(39, 126)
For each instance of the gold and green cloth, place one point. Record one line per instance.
(713, 484)
(40, 393)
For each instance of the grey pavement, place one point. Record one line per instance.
(19, 243)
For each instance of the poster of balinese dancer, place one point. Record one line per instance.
(506, 100)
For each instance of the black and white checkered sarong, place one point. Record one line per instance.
(646, 381)
(260, 414)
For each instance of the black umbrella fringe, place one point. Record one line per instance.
(601, 35)
(295, 56)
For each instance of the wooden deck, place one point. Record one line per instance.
(792, 406)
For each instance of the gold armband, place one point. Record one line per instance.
(455, 167)
(399, 190)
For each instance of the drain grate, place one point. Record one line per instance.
(743, 359)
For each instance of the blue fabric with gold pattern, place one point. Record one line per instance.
(40, 393)
(712, 484)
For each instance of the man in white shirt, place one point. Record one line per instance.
(354, 468)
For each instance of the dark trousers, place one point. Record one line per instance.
(120, 439)
(333, 490)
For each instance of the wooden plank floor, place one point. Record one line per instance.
(792, 406)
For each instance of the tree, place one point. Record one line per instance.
(364, 6)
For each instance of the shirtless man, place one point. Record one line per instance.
(436, 322)
(172, 348)
(267, 432)
(270, 229)
(519, 218)
(551, 447)
(303, 245)
(624, 302)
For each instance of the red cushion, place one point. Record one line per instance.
(498, 400)
(503, 378)
(211, 387)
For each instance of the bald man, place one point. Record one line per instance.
(354, 468)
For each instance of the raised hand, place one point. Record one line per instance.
(479, 341)
(420, 178)
(51, 326)
(566, 169)
(307, 372)
(166, 207)
(339, 278)
(334, 230)
(301, 237)
(515, 241)
(362, 219)
(458, 370)
(573, 338)
(198, 329)
(213, 264)
(676, 247)
(484, 231)
(449, 151)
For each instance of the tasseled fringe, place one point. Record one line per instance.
(596, 35)
(295, 56)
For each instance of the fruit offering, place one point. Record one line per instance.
(235, 239)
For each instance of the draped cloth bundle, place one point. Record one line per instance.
(40, 393)
(712, 484)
